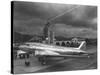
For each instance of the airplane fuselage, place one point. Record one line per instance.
(48, 50)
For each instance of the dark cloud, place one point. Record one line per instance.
(81, 17)
(30, 17)
(40, 10)
(70, 31)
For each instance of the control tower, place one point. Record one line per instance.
(48, 34)
(51, 37)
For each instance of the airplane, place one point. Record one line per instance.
(42, 51)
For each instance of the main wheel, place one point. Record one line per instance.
(27, 63)
(43, 63)
(42, 60)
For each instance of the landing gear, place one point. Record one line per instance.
(42, 60)
(27, 63)
(39, 59)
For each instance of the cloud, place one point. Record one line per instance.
(69, 31)
(31, 26)
(30, 18)
(81, 17)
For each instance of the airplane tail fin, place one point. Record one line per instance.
(82, 46)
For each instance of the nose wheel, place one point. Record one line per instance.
(27, 63)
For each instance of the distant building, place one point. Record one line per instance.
(51, 37)
(75, 39)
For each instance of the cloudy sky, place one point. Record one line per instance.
(30, 18)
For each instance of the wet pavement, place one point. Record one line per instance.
(57, 64)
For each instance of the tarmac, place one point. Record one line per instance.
(57, 64)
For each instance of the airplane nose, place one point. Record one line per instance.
(22, 46)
